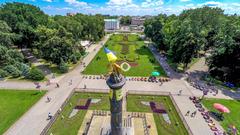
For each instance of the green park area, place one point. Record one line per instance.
(232, 118)
(14, 103)
(138, 103)
(66, 125)
(128, 48)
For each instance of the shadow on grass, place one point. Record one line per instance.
(216, 116)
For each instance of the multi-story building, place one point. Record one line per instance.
(111, 24)
(137, 21)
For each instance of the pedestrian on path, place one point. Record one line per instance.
(180, 92)
(70, 82)
(85, 86)
(49, 116)
(161, 83)
(38, 86)
(57, 85)
(194, 114)
(188, 112)
(48, 99)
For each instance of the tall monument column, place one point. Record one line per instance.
(115, 97)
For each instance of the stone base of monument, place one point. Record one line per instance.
(133, 124)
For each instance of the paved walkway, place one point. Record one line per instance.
(37, 115)
(35, 120)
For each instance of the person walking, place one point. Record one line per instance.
(194, 114)
(180, 92)
(49, 116)
(188, 112)
(57, 85)
(70, 82)
(48, 99)
(85, 86)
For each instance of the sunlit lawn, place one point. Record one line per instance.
(233, 117)
(134, 105)
(70, 126)
(138, 53)
(14, 103)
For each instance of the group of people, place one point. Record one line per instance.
(193, 114)
(49, 98)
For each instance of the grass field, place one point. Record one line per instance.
(14, 103)
(134, 105)
(70, 126)
(132, 50)
(233, 105)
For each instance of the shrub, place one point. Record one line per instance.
(78, 55)
(13, 71)
(35, 74)
(73, 59)
(63, 67)
(3, 73)
(23, 68)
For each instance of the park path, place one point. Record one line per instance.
(35, 120)
(37, 115)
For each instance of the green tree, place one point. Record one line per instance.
(35, 74)
(63, 67)
(22, 18)
(125, 20)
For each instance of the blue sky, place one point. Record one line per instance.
(128, 7)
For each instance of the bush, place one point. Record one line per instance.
(23, 68)
(73, 59)
(3, 73)
(78, 55)
(35, 74)
(63, 67)
(13, 71)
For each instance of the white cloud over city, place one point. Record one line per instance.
(143, 7)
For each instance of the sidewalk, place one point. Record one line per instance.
(197, 124)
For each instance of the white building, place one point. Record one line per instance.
(85, 43)
(112, 24)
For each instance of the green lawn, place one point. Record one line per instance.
(134, 105)
(233, 105)
(70, 126)
(131, 49)
(14, 103)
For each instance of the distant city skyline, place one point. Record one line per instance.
(128, 7)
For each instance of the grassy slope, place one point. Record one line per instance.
(13, 104)
(70, 126)
(233, 117)
(134, 105)
(136, 48)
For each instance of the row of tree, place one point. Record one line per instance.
(204, 29)
(53, 38)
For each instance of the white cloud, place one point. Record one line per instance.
(236, 4)
(48, 0)
(185, 0)
(212, 3)
(76, 3)
(119, 2)
(152, 3)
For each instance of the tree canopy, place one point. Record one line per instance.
(203, 29)
(53, 38)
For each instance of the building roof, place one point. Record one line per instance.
(85, 43)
